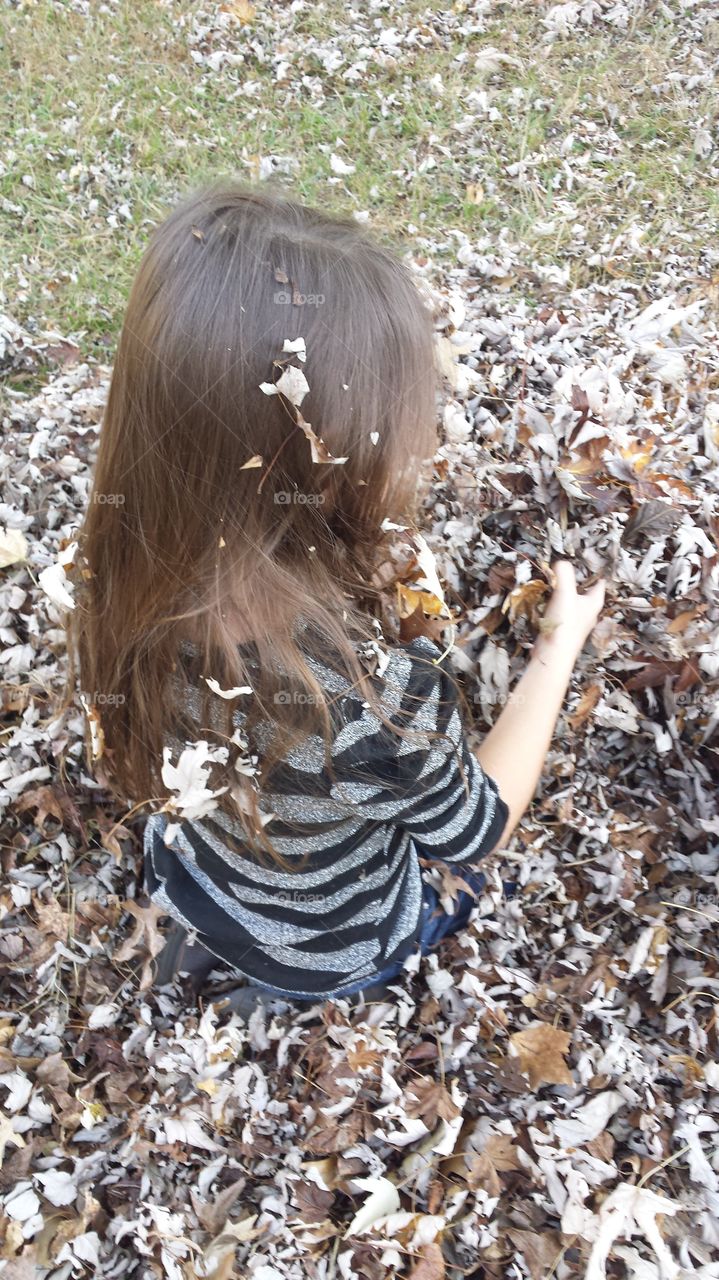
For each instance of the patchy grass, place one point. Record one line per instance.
(110, 119)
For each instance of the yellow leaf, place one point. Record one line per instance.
(242, 10)
(208, 1086)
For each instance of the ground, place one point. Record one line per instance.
(540, 1098)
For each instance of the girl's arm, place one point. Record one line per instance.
(514, 750)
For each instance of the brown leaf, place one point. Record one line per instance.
(431, 1263)
(429, 1100)
(313, 1204)
(523, 600)
(418, 623)
(652, 674)
(50, 802)
(145, 935)
(586, 705)
(318, 448)
(482, 1175)
(501, 1149)
(500, 578)
(541, 1048)
(52, 921)
(212, 1214)
(679, 624)
(540, 1250)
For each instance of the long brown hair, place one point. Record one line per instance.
(182, 537)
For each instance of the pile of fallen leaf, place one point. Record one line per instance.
(540, 1096)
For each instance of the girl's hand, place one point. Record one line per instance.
(569, 617)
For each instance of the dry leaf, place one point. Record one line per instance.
(541, 1049)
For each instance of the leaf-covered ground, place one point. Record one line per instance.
(540, 1098)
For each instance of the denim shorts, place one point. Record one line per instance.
(435, 924)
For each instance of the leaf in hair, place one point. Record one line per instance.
(255, 461)
(226, 693)
(189, 779)
(295, 346)
(97, 736)
(319, 450)
(292, 384)
(419, 584)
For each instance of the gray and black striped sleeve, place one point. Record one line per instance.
(431, 787)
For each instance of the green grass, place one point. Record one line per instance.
(149, 123)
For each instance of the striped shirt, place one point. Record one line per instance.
(353, 909)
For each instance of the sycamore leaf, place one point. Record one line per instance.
(541, 1049)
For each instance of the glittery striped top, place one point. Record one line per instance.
(353, 910)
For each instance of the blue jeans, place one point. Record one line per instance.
(435, 924)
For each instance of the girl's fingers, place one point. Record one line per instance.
(564, 574)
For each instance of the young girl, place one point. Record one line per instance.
(272, 400)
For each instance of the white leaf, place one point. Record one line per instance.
(427, 579)
(292, 384)
(590, 1120)
(84, 1248)
(630, 1210)
(54, 580)
(58, 1186)
(13, 546)
(103, 1015)
(296, 345)
(382, 1201)
(338, 166)
(189, 779)
(440, 982)
(20, 1087)
(22, 1203)
(226, 693)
